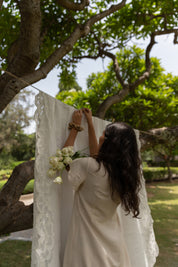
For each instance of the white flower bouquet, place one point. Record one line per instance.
(61, 161)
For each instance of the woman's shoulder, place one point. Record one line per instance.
(88, 164)
(85, 161)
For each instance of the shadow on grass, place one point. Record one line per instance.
(163, 201)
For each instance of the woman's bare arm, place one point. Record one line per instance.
(93, 143)
(76, 118)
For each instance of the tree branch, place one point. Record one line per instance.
(169, 31)
(73, 6)
(154, 137)
(24, 54)
(1, 2)
(115, 65)
(111, 100)
(14, 215)
(102, 15)
(146, 74)
(14, 187)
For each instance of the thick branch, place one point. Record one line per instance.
(155, 136)
(23, 55)
(146, 74)
(73, 6)
(115, 65)
(111, 100)
(14, 215)
(16, 218)
(14, 187)
(102, 15)
(166, 31)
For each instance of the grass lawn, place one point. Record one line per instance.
(163, 201)
(15, 253)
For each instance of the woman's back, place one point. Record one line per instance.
(92, 239)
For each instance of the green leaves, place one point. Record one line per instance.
(152, 105)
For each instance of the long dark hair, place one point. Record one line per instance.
(119, 155)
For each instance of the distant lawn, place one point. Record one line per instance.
(163, 201)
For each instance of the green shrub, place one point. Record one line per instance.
(5, 174)
(8, 163)
(157, 173)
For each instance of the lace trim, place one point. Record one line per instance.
(146, 222)
(43, 232)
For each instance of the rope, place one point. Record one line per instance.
(20, 79)
(28, 84)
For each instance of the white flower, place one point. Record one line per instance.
(54, 162)
(67, 151)
(51, 173)
(70, 150)
(67, 160)
(58, 180)
(58, 153)
(60, 158)
(60, 166)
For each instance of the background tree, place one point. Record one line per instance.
(68, 82)
(13, 120)
(14, 142)
(166, 151)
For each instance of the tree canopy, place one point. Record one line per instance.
(38, 35)
(152, 104)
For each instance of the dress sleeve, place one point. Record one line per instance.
(78, 172)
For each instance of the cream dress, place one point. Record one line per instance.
(95, 238)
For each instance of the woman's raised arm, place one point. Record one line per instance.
(76, 122)
(93, 143)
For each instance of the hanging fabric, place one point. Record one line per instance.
(53, 202)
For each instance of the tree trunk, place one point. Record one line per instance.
(169, 170)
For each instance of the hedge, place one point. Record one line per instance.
(157, 173)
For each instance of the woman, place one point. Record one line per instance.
(103, 181)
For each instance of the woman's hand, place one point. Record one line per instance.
(77, 117)
(88, 114)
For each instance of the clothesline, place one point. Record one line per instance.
(34, 87)
(20, 79)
